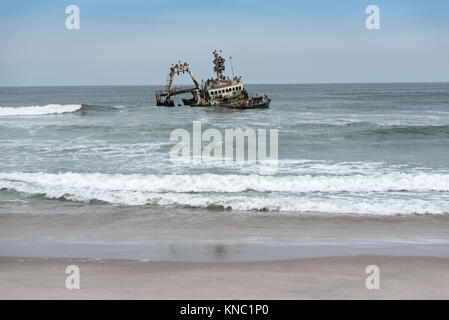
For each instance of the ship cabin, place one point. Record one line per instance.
(228, 91)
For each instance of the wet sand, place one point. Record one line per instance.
(208, 236)
(311, 278)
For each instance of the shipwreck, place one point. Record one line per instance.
(221, 91)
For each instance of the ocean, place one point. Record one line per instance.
(362, 168)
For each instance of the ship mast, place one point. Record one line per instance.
(219, 65)
(232, 68)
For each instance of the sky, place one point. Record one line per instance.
(134, 42)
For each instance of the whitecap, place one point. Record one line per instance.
(39, 110)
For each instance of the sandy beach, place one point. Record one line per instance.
(312, 278)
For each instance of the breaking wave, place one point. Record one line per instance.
(86, 106)
(39, 110)
(411, 182)
(304, 193)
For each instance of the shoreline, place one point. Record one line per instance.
(401, 277)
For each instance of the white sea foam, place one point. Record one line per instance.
(286, 203)
(330, 194)
(412, 182)
(39, 110)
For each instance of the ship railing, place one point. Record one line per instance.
(182, 88)
(257, 95)
(174, 89)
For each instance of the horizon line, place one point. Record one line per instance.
(260, 83)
